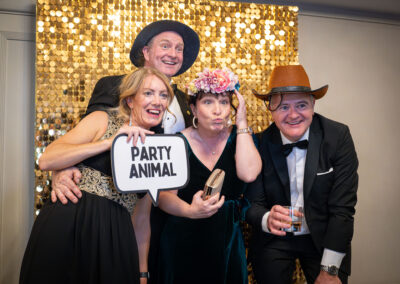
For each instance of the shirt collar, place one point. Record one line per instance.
(287, 141)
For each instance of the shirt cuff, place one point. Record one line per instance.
(264, 224)
(332, 258)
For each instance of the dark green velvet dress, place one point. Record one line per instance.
(210, 250)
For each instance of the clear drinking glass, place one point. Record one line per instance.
(296, 213)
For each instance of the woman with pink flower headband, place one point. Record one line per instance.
(202, 240)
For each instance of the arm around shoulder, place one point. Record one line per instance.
(80, 143)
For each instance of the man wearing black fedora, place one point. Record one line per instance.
(309, 162)
(171, 47)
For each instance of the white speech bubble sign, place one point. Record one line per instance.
(161, 163)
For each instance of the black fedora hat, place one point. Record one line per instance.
(190, 39)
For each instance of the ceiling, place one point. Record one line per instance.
(382, 9)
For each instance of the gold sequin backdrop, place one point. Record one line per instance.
(78, 42)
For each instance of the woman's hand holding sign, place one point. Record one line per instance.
(133, 132)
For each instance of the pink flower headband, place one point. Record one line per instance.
(215, 82)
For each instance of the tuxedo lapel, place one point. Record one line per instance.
(279, 160)
(184, 106)
(314, 144)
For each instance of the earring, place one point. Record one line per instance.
(130, 118)
(194, 122)
(228, 122)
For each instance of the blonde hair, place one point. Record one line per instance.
(131, 84)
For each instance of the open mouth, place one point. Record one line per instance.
(294, 122)
(155, 112)
(167, 62)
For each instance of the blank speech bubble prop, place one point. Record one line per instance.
(161, 163)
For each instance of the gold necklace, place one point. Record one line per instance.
(205, 144)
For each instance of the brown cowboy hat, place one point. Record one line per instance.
(290, 79)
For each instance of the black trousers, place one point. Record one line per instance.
(275, 263)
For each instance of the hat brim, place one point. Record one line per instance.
(190, 39)
(318, 93)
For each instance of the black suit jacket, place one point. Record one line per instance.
(106, 95)
(329, 197)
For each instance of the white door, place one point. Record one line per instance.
(17, 106)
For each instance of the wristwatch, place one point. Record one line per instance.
(144, 275)
(331, 269)
(244, 130)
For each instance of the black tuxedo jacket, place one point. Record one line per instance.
(330, 186)
(106, 95)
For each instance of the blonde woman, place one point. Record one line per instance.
(93, 241)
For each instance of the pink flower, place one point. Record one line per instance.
(222, 80)
(216, 82)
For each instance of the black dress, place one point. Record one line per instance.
(92, 241)
(209, 250)
(106, 95)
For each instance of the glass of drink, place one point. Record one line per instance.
(296, 213)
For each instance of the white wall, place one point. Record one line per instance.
(17, 92)
(360, 61)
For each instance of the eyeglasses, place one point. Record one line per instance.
(276, 105)
(269, 105)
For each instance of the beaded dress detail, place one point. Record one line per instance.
(99, 183)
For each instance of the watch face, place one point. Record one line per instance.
(333, 270)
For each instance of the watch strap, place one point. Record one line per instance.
(331, 269)
(144, 275)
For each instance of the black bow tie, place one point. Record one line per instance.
(287, 148)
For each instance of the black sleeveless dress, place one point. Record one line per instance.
(92, 241)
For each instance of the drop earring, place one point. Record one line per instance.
(130, 118)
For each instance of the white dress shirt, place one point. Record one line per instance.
(173, 120)
(296, 162)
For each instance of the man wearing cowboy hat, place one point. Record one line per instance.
(171, 47)
(309, 161)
